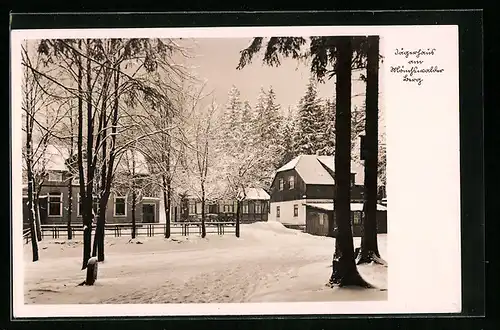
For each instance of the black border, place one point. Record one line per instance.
(471, 144)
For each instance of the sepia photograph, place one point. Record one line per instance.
(206, 170)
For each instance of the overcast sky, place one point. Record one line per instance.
(216, 59)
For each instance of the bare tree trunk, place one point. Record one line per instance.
(107, 165)
(29, 167)
(238, 211)
(69, 214)
(203, 229)
(167, 208)
(167, 178)
(87, 200)
(369, 246)
(134, 202)
(344, 271)
(69, 165)
(169, 205)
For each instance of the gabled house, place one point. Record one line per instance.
(303, 190)
(54, 194)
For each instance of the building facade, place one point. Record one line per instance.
(54, 198)
(254, 207)
(303, 190)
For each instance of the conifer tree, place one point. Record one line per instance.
(232, 116)
(311, 124)
(328, 142)
(287, 137)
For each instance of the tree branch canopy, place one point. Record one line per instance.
(321, 50)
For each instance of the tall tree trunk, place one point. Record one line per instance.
(69, 214)
(69, 164)
(29, 167)
(167, 208)
(344, 271)
(167, 178)
(134, 194)
(107, 172)
(238, 212)
(87, 200)
(107, 165)
(134, 202)
(203, 229)
(369, 246)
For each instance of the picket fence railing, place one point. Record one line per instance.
(142, 229)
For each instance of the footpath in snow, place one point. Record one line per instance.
(268, 263)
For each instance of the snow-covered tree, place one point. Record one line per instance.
(328, 142)
(202, 175)
(42, 112)
(288, 134)
(311, 126)
(101, 75)
(267, 125)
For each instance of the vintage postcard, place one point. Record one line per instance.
(236, 171)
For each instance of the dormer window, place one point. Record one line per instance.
(281, 184)
(291, 182)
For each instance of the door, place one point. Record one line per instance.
(148, 213)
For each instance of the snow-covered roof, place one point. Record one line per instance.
(354, 206)
(311, 169)
(55, 156)
(256, 194)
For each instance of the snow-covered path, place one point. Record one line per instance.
(267, 263)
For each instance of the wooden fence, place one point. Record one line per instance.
(142, 229)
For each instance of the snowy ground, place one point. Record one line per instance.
(268, 263)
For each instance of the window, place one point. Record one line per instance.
(228, 207)
(55, 176)
(281, 184)
(296, 210)
(55, 204)
(258, 207)
(191, 207)
(79, 206)
(322, 218)
(212, 208)
(357, 218)
(291, 182)
(198, 208)
(120, 206)
(277, 211)
(245, 207)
